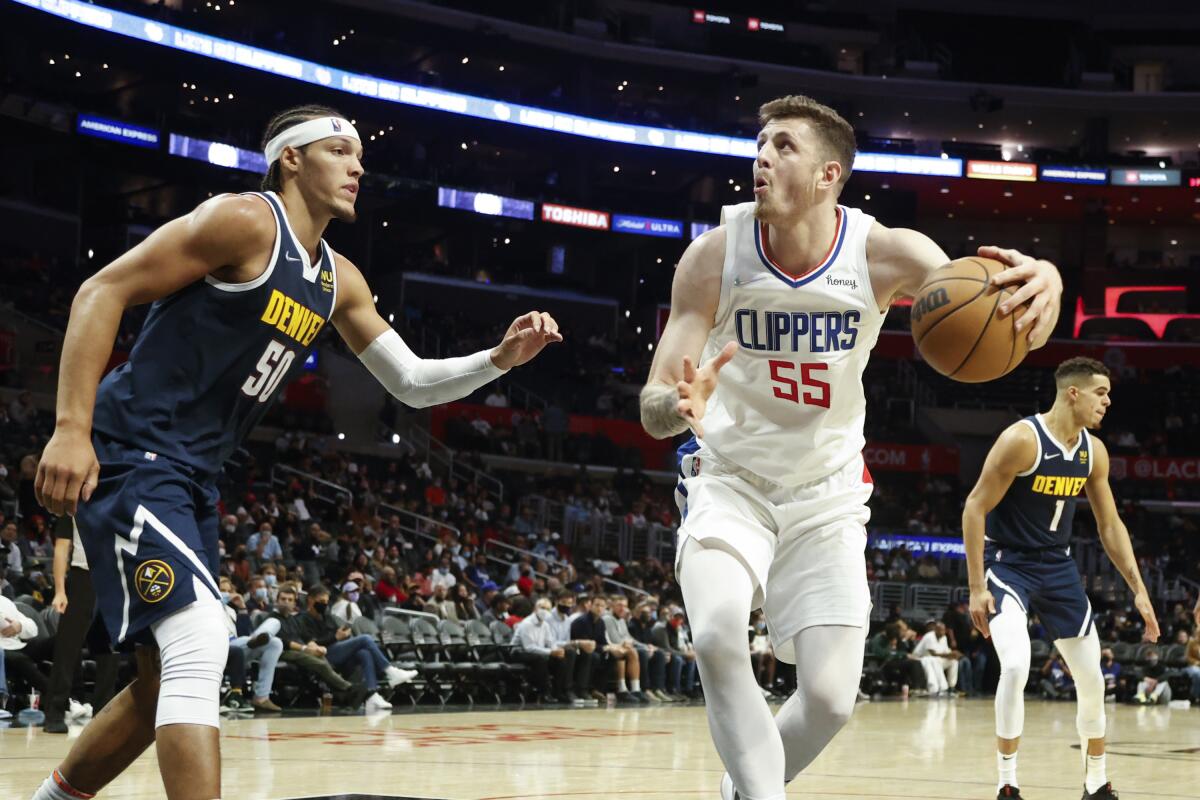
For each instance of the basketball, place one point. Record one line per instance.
(957, 325)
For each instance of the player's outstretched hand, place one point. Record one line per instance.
(1042, 286)
(525, 338)
(1142, 603)
(698, 385)
(983, 606)
(67, 473)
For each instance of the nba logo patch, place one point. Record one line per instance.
(695, 466)
(337, 126)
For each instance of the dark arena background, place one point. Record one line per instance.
(561, 156)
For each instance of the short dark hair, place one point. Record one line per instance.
(1078, 367)
(835, 132)
(318, 590)
(565, 594)
(289, 118)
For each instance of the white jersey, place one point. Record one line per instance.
(790, 406)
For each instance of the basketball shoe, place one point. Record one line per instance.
(1105, 792)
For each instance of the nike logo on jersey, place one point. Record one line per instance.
(292, 318)
(1049, 456)
(288, 256)
(748, 281)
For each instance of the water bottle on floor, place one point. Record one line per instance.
(33, 716)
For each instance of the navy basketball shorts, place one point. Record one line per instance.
(150, 534)
(1046, 583)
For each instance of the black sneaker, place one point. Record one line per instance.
(1105, 792)
(640, 698)
(1008, 792)
(626, 699)
(54, 726)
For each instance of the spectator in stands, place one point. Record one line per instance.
(260, 645)
(623, 655)
(546, 546)
(669, 636)
(963, 636)
(896, 663)
(762, 654)
(22, 411)
(13, 558)
(346, 607)
(1192, 670)
(464, 604)
(496, 398)
(546, 659)
(477, 573)
(584, 648)
(443, 573)
(389, 589)
(441, 604)
(16, 630)
(641, 626)
(310, 656)
(1056, 682)
(1111, 670)
(6, 588)
(927, 569)
(344, 650)
(498, 612)
(1154, 688)
(264, 546)
(487, 592)
(555, 424)
(939, 661)
(616, 631)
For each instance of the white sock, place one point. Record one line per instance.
(1007, 767)
(56, 787)
(1097, 774)
(621, 685)
(635, 685)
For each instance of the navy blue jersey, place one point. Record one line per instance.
(211, 356)
(1037, 510)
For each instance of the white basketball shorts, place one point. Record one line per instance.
(803, 546)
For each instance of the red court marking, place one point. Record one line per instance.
(451, 735)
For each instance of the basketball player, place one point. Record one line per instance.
(1017, 528)
(785, 300)
(241, 287)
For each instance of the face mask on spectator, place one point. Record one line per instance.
(564, 609)
(320, 608)
(352, 596)
(542, 614)
(261, 593)
(271, 579)
(230, 528)
(225, 598)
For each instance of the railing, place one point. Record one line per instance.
(548, 513)
(442, 458)
(520, 397)
(554, 562)
(914, 599)
(616, 539)
(419, 525)
(282, 474)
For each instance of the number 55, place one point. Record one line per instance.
(788, 389)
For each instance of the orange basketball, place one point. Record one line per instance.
(957, 325)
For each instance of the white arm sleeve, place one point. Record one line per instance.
(421, 382)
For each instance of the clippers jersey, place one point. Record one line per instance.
(1037, 510)
(790, 406)
(211, 357)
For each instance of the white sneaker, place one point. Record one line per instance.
(77, 709)
(727, 790)
(377, 703)
(5, 713)
(396, 676)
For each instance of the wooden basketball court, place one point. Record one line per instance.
(941, 750)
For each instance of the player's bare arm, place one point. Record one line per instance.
(421, 382)
(227, 236)
(1115, 536)
(1013, 453)
(901, 259)
(676, 392)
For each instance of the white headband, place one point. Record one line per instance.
(308, 132)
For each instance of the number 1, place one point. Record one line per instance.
(1058, 507)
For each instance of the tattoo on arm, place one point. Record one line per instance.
(660, 417)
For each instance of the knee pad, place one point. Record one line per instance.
(193, 644)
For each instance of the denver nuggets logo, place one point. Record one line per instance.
(154, 580)
(1083, 456)
(327, 280)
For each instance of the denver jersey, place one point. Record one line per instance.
(1037, 510)
(211, 357)
(790, 406)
